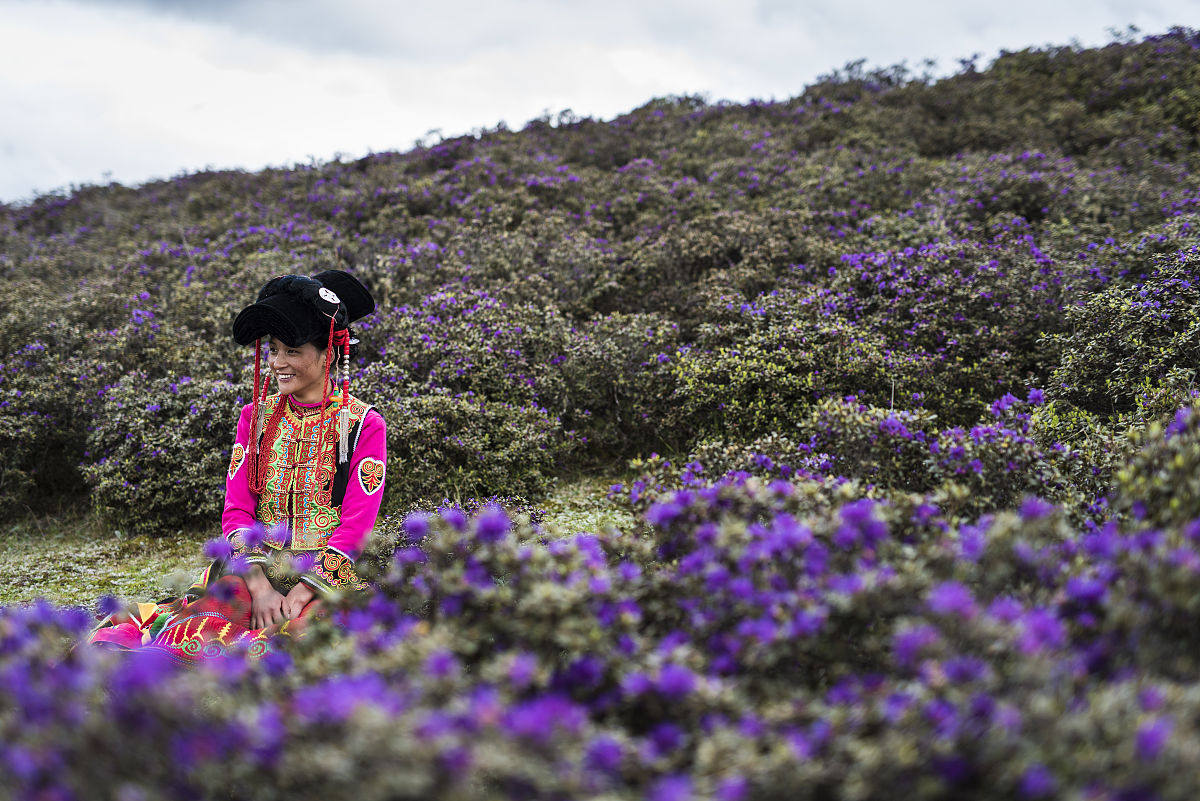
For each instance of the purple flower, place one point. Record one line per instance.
(1180, 423)
(435, 724)
(892, 426)
(108, 605)
(584, 673)
(671, 788)
(604, 754)
(223, 591)
(254, 535)
(676, 682)
(522, 669)
(924, 513)
(666, 738)
(492, 524)
(540, 718)
(1003, 404)
(808, 622)
(735, 788)
(1152, 737)
(1151, 699)
(455, 518)
(416, 526)
(952, 598)
(907, 645)
(1037, 782)
(1086, 591)
(1036, 397)
(22, 762)
(410, 556)
(140, 670)
(218, 549)
(441, 663)
(661, 514)
(964, 669)
(895, 706)
(1006, 609)
(635, 684)
(943, 716)
(1040, 631)
(860, 516)
(1034, 508)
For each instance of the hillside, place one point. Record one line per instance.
(579, 292)
(895, 380)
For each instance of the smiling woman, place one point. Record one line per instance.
(302, 491)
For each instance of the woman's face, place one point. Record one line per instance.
(299, 372)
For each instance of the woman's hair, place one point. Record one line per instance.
(321, 341)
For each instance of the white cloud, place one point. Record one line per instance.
(147, 89)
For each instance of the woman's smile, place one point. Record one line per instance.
(299, 372)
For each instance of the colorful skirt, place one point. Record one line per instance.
(210, 620)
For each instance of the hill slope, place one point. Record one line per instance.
(577, 293)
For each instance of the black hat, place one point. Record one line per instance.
(296, 309)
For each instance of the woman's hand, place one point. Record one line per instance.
(266, 603)
(296, 600)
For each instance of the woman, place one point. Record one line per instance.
(303, 489)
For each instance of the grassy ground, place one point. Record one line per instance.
(583, 505)
(71, 560)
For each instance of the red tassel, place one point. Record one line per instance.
(256, 460)
(342, 341)
(252, 445)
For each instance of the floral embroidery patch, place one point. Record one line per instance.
(236, 459)
(370, 475)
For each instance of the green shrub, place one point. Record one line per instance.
(1160, 484)
(457, 447)
(1132, 348)
(159, 450)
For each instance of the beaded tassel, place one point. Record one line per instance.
(344, 410)
(324, 493)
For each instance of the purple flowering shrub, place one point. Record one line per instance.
(887, 453)
(1160, 484)
(685, 272)
(740, 642)
(1133, 350)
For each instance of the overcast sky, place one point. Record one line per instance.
(132, 90)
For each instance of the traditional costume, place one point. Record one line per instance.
(302, 492)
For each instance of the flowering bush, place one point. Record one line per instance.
(466, 446)
(735, 643)
(157, 445)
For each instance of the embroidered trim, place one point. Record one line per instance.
(333, 571)
(235, 459)
(370, 474)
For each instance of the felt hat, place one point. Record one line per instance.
(296, 309)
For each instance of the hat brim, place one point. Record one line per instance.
(285, 317)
